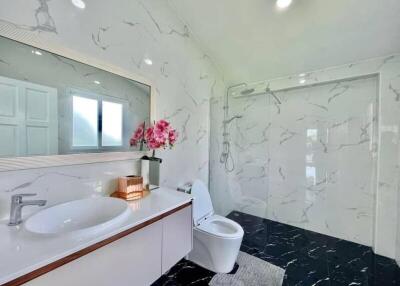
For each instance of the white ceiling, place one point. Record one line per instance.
(250, 40)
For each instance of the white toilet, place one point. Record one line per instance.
(216, 239)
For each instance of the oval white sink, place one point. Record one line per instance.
(79, 215)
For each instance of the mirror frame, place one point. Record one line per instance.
(33, 162)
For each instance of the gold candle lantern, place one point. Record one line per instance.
(130, 188)
(130, 184)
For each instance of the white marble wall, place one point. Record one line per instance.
(322, 157)
(123, 33)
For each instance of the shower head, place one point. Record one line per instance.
(247, 91)
(232, 118)
(255, 90)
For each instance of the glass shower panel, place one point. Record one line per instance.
(323, 158)
(307, 157)
(250, 135)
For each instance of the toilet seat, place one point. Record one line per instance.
(220, 226)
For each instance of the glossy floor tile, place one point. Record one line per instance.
(309, 258)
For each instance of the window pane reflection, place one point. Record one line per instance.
(112, 124)
(85, 113)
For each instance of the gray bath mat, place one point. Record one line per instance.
(252, 272)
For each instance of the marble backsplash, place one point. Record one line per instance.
(61, 184)
(320, 154)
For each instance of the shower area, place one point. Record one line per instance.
(313, 151)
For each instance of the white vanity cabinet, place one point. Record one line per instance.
(137, 259)
(177, 237)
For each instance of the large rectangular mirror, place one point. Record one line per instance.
(51, 105)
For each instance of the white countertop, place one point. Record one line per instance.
(22, 252)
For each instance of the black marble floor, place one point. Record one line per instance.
(309, 258)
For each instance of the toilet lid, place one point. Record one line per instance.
(221, 227)
(202, 205)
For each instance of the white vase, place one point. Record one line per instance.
(145, 173)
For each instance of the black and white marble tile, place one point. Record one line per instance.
(185, 273)
(309, 258)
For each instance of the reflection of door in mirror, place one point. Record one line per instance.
(28, 118)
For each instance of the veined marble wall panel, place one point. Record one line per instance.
(124, 34)
(323, 157)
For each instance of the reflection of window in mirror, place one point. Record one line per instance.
(85, 122)
(111, 123)
(97, 121)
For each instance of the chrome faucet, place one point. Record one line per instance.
(17, 204)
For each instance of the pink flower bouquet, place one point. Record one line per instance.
(160, 135)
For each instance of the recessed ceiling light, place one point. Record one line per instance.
(79, 3)
(96, 82)
(302, 81)
(36, 52)
(283, 4)
(302, 75)
(148, 61)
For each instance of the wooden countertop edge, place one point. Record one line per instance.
(53, 265)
